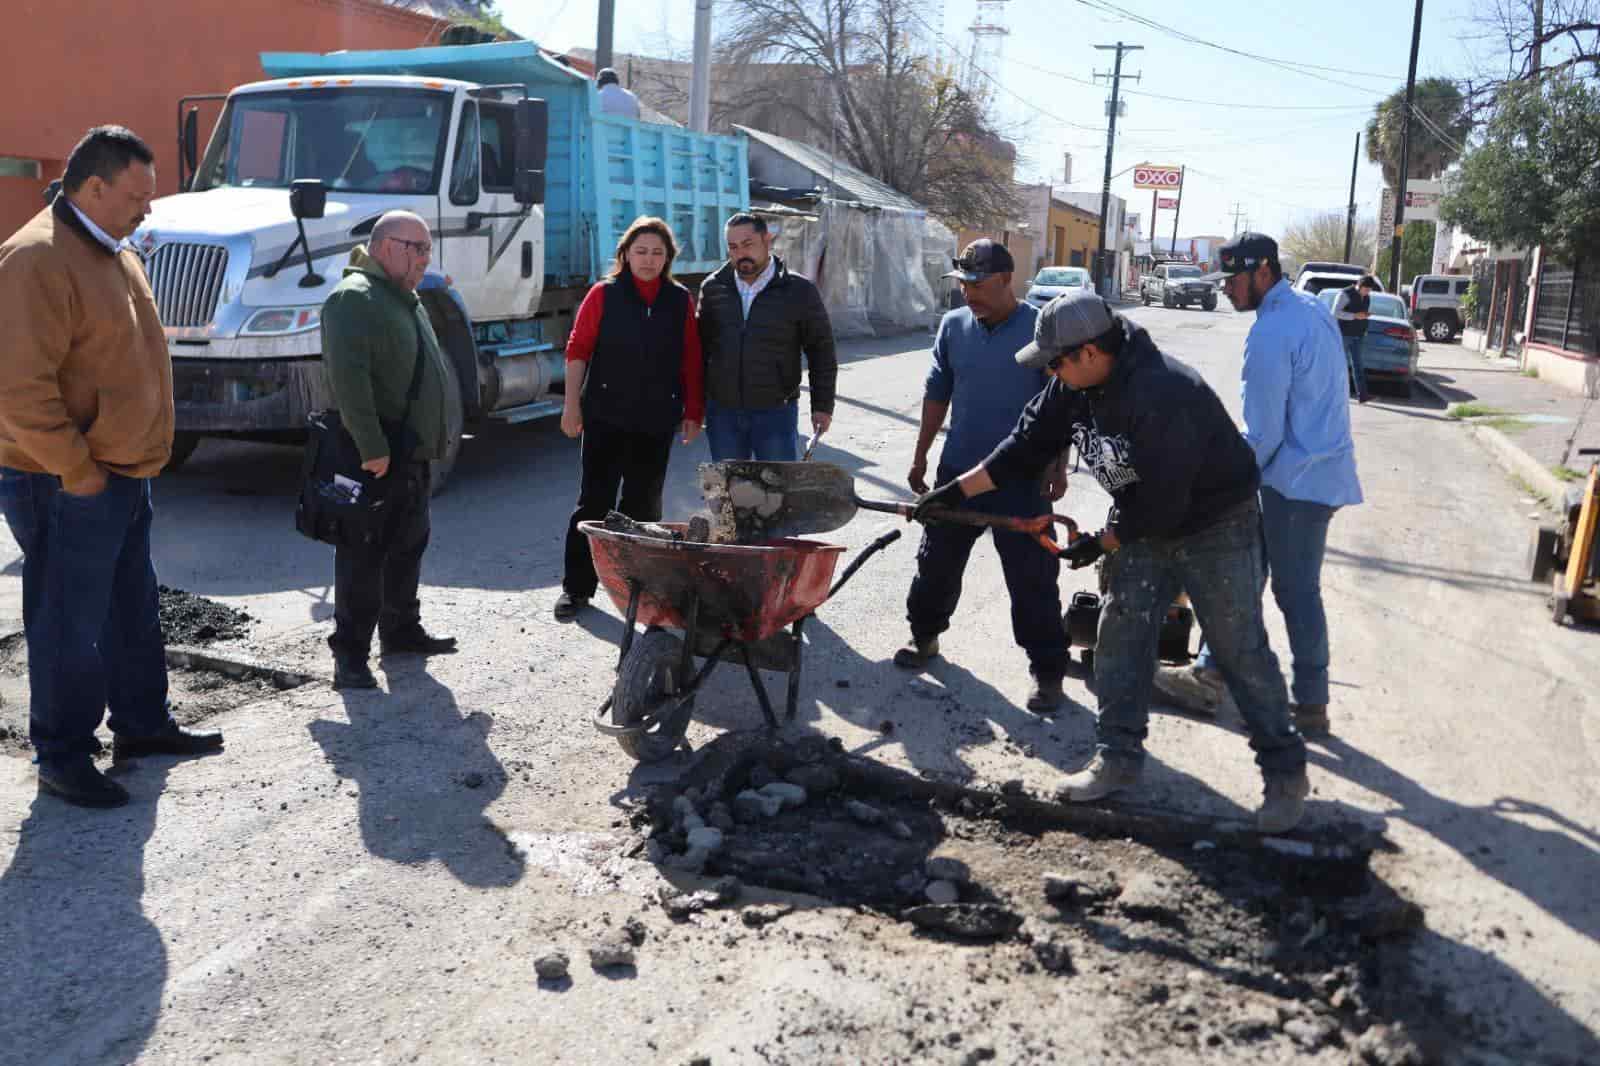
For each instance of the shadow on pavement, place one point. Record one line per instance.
(424, 775)
(82, 970)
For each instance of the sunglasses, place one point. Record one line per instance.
(1065, 353)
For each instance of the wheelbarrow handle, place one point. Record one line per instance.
(1037, 527)
(866, 553)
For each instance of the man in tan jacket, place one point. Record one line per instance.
(85, 423)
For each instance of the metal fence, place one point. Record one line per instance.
(1567, 312)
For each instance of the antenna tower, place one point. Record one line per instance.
(989, 33)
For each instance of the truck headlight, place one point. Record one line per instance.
(275, 321)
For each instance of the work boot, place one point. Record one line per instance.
(1045, 695)
(1196, 689)
(1101, 777)
(415, 640)
(568, 606)
(1284, 802)
(173, 740)
(1311, 719)
(81, 784)
(917, 653)
(351, 672)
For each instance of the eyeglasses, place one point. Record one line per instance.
(421, 247)
(1063, 354)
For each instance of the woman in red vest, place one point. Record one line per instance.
(634, 378)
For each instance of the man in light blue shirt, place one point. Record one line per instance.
(1297, 421)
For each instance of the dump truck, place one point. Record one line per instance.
(525, 185)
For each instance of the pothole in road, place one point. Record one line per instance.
(1215, 939)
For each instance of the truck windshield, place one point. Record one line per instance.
(362, 140)
(1183, 272)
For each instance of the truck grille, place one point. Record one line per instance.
(187, 281)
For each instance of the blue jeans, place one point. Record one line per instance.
(1222, 568)
(1032, 575)
(753, 433)
(90, 611)
(1296, 537)
(1352, 355)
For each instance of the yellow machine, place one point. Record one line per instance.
(1566, 556)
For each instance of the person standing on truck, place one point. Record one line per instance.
(1184, 516)
(757, 319)
(376, 341)
(1351, 309)
(614, 99)
(975, 380)
(1297, 421)
(634, 377)
(86, 416)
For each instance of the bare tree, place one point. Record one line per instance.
(1321, 239)
(886, 104)
(1531, 37)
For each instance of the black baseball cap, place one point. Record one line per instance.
(1246, 252)
(982, 258)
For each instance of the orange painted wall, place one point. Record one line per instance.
(72, 65)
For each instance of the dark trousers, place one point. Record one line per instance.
(1222, 568)
(613, 460)
(376, 587)
(90, 611)
(1031, 579)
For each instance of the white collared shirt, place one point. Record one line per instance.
(99, 234)
(748, 293)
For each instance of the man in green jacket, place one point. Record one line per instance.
(374, 332)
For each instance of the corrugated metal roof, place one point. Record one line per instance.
(850, 183)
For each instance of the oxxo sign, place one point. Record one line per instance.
(1154, 177)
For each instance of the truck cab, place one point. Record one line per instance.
(525, 186)
(1177, 285)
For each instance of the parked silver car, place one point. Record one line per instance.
(1053, 281)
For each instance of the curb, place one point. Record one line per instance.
(195, 659)
(1510, 455)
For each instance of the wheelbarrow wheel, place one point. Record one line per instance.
(647, 679)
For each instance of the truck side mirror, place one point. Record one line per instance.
(190, 139)
(308, 198)
(533, 135)
(527, 187)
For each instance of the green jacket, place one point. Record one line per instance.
(369, 345)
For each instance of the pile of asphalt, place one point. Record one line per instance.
(190, 620)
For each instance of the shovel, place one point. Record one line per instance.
(751, 500)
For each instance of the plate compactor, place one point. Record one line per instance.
(1082, 620)
(1565, 556)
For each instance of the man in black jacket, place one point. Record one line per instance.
(756, 320)
(1184, 516)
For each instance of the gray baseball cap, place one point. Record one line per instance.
(1073, 318)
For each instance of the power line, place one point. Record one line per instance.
(1190, 100)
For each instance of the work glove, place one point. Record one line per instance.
(947, 495)
(1083, 551)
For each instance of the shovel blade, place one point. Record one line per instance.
(750, 500)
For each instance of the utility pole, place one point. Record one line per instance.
(1102, 273)
(1350, 216)
(602, 36)
(1238, 209)
(700, 80)
(1155, 203)
(1176, 211)
(1405, 156)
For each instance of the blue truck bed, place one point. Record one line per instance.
(602, 172)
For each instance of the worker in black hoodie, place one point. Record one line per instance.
(1184, 516)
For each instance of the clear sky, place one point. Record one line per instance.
(1275, 142)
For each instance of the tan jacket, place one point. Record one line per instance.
(85, 379)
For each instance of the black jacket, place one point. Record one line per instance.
(1154, 435)
(755, 363)
(635, 376)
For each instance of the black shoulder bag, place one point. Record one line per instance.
(340, 503)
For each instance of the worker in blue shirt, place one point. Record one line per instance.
(976, 380)
(1297, 421)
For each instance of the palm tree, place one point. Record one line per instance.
(1442, 106)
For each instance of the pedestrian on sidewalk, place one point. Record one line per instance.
(86, 418)
(1184, 516)
(388, 379)
(1351, 309)
(757, 319)
(634, 378)
(976, 380)
(1297, 421)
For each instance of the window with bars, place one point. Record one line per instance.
(1568, 306)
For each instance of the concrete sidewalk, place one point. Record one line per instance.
(1534, 427)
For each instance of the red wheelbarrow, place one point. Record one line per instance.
(749, 601)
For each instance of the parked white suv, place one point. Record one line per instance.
(1435, 304)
